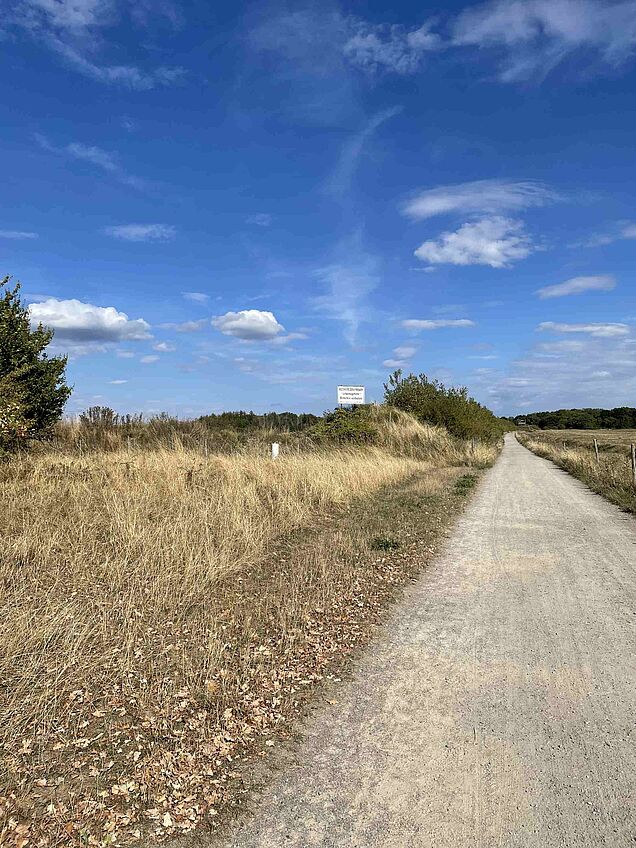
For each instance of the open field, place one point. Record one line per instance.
(573, 450)
(607, 439)
(163, 611)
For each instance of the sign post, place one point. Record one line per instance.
(351, 395)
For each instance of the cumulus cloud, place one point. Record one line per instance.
(149, 359)
(19, 235)
(164, 347)
(249, 325)
(478, 197)
(82, 325)
(578, 285)
(593, 329)
(496, 242)
(142, 232)
(436, 324)
(534, 36)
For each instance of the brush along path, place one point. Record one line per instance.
(496, 707)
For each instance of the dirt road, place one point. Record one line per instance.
(497, 706)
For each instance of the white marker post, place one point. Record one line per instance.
(275, 449)
(351, 395)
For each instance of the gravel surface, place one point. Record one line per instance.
(496, 707)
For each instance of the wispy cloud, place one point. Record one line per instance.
(578, 285)
(623, 230)
(377, 48)
(341, 179)
(417, 324)
(348, 282)
(534, 36)
(479, 197)
(593, 329)
(102, 159)
(496, 242)
(75, 30)
(142, 232)
(260, 219)
(18, 235)
(197, 297)
(186, 326)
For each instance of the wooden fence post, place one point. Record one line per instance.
(634, 465)
(596, 450)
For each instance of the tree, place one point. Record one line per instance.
(33, 387)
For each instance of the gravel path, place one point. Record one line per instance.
(497, 706)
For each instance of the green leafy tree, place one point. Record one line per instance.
(33, 387)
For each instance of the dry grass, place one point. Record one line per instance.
(573, 450)
(159, 607)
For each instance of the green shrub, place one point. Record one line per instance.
(351, 426)
(432, 402)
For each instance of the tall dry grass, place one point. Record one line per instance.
(133, 581)
(610, 476)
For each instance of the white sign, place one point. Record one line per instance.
(351, 394)
(275, 450)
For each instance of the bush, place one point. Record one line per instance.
(352, 426)
(14, 427)
(432, 402)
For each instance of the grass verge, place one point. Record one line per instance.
(166, 615)
(611, 476)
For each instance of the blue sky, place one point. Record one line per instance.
(243, 206)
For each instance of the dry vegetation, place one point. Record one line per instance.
(574, 451)
(163, 612)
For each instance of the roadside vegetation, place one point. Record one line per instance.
(611, 475)
(170, 595)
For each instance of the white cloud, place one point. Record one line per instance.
(281, 341)
(348, 283)
(596, 330)
(478, 197)
(401, 356)
(149, 359)
(341, 179)
(578, 285)
(384, 47)
(261, 219)
(19, 235)
(197, 297)
(75, 321)
(437, 324)
(102, 159)
(537, 35)
(117, 382)
(496, 242)
(404, 351)
(186, 326)
(622, 230)
(164, 347)
(142, 232)
(74, 29)
(248, 324)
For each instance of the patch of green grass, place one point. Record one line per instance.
(384, 543)
(465, 483)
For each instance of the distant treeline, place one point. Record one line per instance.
(620, 418)
(281, 421)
